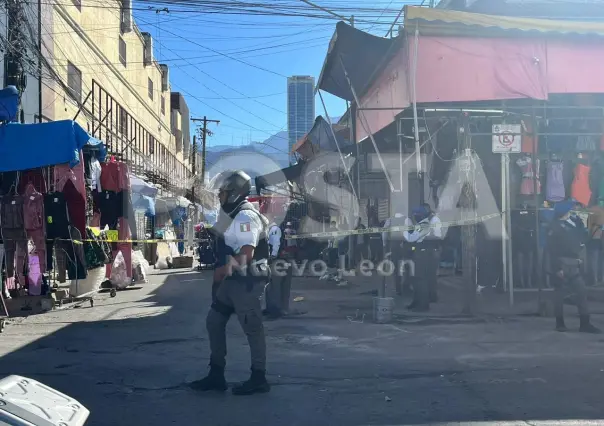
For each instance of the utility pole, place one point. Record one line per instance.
(14, 74)
(194, 170)
(204, 133)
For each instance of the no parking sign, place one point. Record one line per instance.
(507, 138)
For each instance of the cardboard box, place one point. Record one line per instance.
(182, 262)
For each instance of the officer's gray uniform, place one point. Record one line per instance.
(235, 295)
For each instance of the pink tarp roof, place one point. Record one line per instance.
(466, 69)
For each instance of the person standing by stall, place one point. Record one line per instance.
(566, 247)
(279, 287)
(426, 237)
(241, 280)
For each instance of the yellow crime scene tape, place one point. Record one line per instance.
(112, 235)
(392, 228)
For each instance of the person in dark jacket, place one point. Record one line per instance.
(566, 244)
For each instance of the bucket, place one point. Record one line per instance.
(382, 309)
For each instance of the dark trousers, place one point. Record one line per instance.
(571, 283)
(425, 281)
(278, 291)
(525, 259)
(397, 257)
(595, 261)
(244, 301)
(361, 251)
(377, 249)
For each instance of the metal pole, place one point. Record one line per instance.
(504, 242)
(366, 126)
(537, 230)
(508, 221)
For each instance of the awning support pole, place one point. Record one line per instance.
(418, 160)
(337, 145)
(366, 126)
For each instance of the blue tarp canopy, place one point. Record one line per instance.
(145, 203)
(9, 103)
(29, 146)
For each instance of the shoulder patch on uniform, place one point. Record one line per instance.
(245, 227)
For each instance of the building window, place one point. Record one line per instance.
(150, 86)
(74, 81)
(78, 4)
(123, 122)
(163, 105)
(122, 50)
(151, 144)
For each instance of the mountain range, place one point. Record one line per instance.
(255, 158)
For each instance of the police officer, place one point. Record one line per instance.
(566, 244)
(239, 280)
(426, 237)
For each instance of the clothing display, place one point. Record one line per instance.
(580, 189)
(530, 141)
(530, 174)
(555, 181)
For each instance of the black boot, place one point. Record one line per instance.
(214, 381)
(587, 327)
(256, 384)
(560, 326)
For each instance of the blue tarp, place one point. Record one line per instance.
(28, 146)
(9, 103)
(144, 202)
(99, 147)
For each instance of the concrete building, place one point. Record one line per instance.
(98, 68)
(300, 108)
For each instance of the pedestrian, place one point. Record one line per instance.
(393, 243)
(240, 281)
(426, 238)
(566, 246)
(278, 291)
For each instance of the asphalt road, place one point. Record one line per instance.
(129, 359)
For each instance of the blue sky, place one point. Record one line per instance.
(249, 100)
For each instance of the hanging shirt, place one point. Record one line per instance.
(555, 181)
(580, 189)
(95, 175)
(274, 238)
(529, 175)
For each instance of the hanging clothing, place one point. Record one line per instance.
(76, 205)
(33, 215)
(586, 143)
(530, 141)
(555, 181)
(63, 173)
(34, 177)
(112, 176)
(13, 232)
(530, 175)
(580, 189)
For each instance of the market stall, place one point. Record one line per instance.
(47, 175)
